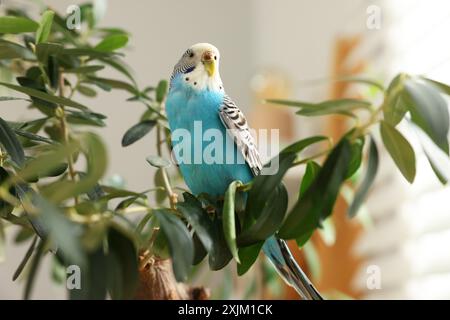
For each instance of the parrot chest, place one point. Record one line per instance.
(209, 160)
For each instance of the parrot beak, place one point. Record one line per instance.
(208, 62)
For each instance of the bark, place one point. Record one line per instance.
(157, 282)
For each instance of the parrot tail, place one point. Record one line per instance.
(280, 256)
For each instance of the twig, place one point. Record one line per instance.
(173, 197)
(146, 255)
(65, 132)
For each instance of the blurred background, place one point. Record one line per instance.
(397, 248)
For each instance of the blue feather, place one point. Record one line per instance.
(185, 106)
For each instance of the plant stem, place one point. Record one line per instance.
(6, 196)
(65, 133)
(160, 115)
(362, 130)
(173, 197)
(45, 77)
(147, 256)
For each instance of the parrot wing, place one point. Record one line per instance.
(234, 120)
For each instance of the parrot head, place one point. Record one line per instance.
(199, 67)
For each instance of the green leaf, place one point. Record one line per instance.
(371, 171)
(269, 220)
(318, 201)
(23, 235)
(158, 180)
(228, 216)
(355, 161)
(58, 271)
(441, 173)
(53, 72)
(59, 170)
(220, 254)
(14, 25)
(429, 111)
(86, 91)
(439, 160)
(13, 99)
(107, 84)
(48, 108)
(341, 106)
(11, 50)
(35, 262)
(137, 132)
(123, 262)
(33, 137)
(264, 186)
(47, 162)
(45, 26)
(86, 118)
(303, 239)
(361, 80)
(161, 90)
(25, 259)
(95, 153)
(311, 172)
(248, 256)
(299, 146)
(108, 31)
(26, 196)
(180, 242)
(140, 227)
(112, 42)
(444, 88)
(395, 106)
(400, 150)
(94, 277)
(193, 212)
(291, 103)
(85, 69)
(199, 250)
(120, 66)
(85, 52)
(11, 144)
(126, 203)
(5, 207)
(87, 15)
(63, 233)
(45, 96)
(47, 49)
(158, 162)
(327, 107)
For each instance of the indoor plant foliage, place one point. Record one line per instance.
(51, 167)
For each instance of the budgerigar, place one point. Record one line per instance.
(197, 97)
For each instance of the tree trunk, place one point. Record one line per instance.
(157, 282)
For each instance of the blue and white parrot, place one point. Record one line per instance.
(197, 96)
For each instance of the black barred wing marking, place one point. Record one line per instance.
(235, 121)
(181, 68)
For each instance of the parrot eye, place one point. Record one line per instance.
(191, 55)
(215, 57)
